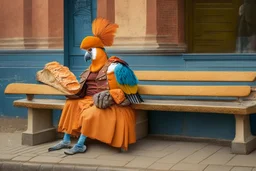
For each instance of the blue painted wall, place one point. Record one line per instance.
(20, 66)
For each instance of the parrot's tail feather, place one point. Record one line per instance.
(134, 98)
(140, 98)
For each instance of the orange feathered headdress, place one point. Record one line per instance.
(104, 33)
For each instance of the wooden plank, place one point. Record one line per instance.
(21, 88)
(40, 103)
(195, 76)
(222, 107)
(221, 91)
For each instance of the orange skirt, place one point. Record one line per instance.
(114, 125)
(69, 120)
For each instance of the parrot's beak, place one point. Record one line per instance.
(87, 56)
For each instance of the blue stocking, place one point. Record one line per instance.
(66, 138)
(81, 141)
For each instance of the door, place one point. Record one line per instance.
(212, 25)
(79, 15)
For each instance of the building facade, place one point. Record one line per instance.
(175, 35)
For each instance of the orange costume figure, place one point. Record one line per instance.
(100, 110)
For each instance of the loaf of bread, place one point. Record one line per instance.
(60, 77)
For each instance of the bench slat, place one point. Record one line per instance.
(223, 107)
(40, 103)
(21, 88)
(221, 91)
(195, 76)
(157, 90)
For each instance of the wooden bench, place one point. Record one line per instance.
(215, 97)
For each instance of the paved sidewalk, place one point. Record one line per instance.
(146, 154)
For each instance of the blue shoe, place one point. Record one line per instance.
(75, 149)
(60, 145)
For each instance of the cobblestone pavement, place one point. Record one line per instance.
(146, 154)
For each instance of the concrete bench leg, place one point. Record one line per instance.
(40, 128)
(141, 124)
(244, 142)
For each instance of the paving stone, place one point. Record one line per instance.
(150, 145)
(220, 157)
(95, 162)
(147, 153)
(39, 149)
(62, 156)
(46, 167)
(243, 160)
(45, 159)
(202, 154)
(7, 156)
(11, 166)
(218, 168)
(188, 145)
(102, 148)
(52, 154)
(141, 162)
(177, 156)
(160, 166)
(31, 167)
(87, 168)
(29, 155)
(20, 149)
(21, 158)
(241, 169)
(116, 169)
(92, 154)
(63, 168)
(189, 166)
(120, 156)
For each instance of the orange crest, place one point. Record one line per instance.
(104, 33)
(104, 30)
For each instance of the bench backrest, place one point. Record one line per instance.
(166, 90)
(196, 76)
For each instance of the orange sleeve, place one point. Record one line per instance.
(117, 95)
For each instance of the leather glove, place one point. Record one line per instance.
(103, 99)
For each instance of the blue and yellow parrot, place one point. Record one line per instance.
(126, 80)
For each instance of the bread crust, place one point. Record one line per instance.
(60, 77)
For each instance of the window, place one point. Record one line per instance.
(221, 26)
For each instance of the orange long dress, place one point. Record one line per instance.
(114, 126)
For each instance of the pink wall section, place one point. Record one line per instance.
(11, 18)
(33, 23)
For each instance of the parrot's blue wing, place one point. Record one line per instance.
(128, 82)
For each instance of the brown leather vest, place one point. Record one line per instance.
(101, 79)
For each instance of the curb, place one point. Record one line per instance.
(27, 166)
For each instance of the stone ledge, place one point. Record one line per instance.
(149, 49)
(29, 166)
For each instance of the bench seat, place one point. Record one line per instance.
(222, 107)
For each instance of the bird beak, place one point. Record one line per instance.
(87, 56)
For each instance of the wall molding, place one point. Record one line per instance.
(148, 49)
(4, 52)
(220, 56)
(31, 43)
